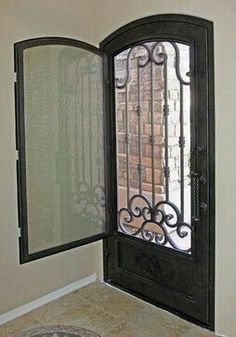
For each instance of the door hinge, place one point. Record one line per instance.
(19, 232)
(17, 155)
(15, 77)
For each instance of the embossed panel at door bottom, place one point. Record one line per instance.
(158, 275)
(158, 268)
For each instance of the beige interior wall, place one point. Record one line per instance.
(23, 19)
(20, 284)
(109, 15)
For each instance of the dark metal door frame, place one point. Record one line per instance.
(191, 30)
(25, 255)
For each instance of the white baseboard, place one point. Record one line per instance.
(24, 309)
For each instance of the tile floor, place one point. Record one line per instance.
(107, 311)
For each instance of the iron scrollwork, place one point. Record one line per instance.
(156, 220)
(148, 264)
(156, 216)
(152, 55)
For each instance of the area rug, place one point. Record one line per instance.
(57, 331)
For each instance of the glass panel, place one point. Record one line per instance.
(63, 108)
(153, 140)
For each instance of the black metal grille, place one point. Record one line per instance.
(160, 221)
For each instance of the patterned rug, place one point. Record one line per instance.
(57, 331)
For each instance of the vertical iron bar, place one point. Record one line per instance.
(127, 141)
(139, 135)
(181, 145)
(152, 136)
(166, 115)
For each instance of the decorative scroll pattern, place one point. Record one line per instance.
(148, 264)
(152, 55)
(156, 220)
(57, 331)
(156, 216)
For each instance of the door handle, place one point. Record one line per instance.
(197, 204)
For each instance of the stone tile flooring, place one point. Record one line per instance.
(107, 311)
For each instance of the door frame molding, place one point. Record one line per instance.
(108, 45)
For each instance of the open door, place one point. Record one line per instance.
(161, 113)
(60, 143)
(118, 144)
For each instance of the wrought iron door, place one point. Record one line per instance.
(161, 173)
(118, 143)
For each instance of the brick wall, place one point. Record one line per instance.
(157, 92)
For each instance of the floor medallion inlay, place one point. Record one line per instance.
(57, 331)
